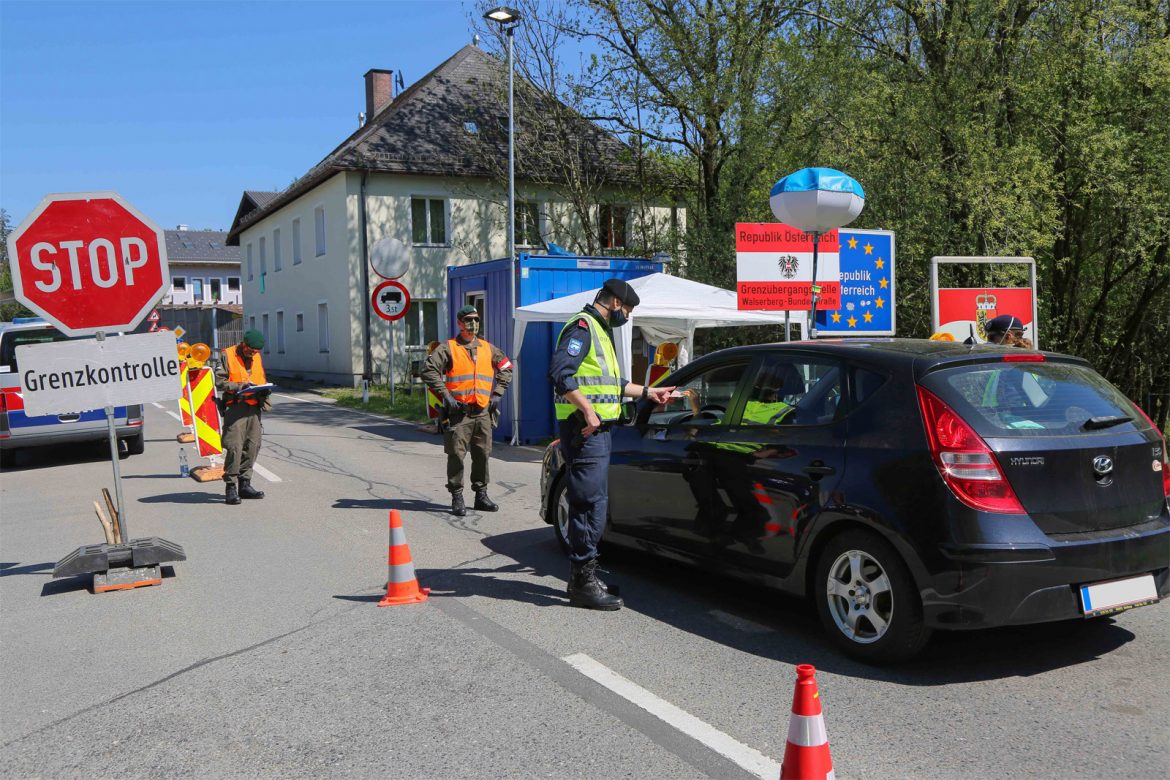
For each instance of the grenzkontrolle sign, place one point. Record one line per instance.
(73, 376)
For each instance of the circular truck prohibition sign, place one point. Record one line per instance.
(391, 300)
(88, 262)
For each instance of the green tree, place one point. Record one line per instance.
(9, 308)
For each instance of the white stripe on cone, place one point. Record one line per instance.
(807, 730)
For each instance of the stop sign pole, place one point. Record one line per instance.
(91, 264)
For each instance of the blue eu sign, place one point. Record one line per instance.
(867, 286)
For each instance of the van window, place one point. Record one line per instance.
(15, 338)
(1031, 399)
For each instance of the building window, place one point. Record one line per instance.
(250, 274)
(277, 263)
(528, 224)
(252, 323)
(428, 221)
(216, 290)
(264, 330)
(422, 323)
(280, 332)
(233, 284)
(179, 283)
(319, 228)
(323, 327)
(296, 241)
(197, 290)
(300, 322)
(612, 228)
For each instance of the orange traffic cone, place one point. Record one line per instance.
(402, 587)
(807, 755)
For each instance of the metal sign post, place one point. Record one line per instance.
(121, 507)
(390, 327)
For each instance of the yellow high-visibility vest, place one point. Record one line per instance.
(597, 376)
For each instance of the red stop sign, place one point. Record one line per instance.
(88, 262)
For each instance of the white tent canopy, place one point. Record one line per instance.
(670, 309)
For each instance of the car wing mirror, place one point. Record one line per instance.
(629, 412)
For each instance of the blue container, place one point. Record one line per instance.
(539, 278)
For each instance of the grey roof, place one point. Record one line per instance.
(200, 246)
(453, 122)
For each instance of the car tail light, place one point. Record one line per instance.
(966, 463)
(134, 414)
(1165, 467)
(1023, 357)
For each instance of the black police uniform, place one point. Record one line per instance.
(586, 458)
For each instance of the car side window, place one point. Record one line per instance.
(703, 398)
(865, 383)
(787, 390)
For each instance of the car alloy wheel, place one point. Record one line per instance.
(866, 599)
(560, 510)
(859, 597)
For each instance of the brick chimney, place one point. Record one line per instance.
(379, 90)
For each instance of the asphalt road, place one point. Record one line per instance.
(264, 654)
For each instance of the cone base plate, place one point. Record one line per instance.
(207, 473)
(185, 438)
(396, 601)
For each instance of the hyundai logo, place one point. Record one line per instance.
(1102, 464)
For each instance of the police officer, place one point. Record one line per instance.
(469, 376)
(588, 393)
(1004, 329)
(241, 369)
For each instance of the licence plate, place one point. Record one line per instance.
(1105, 597)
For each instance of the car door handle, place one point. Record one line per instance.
(818, 469)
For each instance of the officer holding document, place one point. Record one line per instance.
(244, 390)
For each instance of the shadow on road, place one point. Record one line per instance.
(782, 628)
(14, 568)
(401, 504)
(50, 456)
(85, 582)
(184, 498)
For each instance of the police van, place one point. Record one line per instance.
(18, 430)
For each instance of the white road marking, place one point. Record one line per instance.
(173, 414)
(739, 623)
(293, 398)
(268, 475)
(749, 758)
(157, 405)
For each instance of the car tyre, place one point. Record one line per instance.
(558, 507)
(866, 599)
(136, 445)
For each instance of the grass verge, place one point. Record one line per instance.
(406, 407)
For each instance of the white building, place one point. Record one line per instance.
(425, 169)
(206, 292)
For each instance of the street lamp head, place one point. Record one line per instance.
(503, 16)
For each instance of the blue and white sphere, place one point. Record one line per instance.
(817, 200)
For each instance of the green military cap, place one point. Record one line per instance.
(465, 311)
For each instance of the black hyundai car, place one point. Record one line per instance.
(904, 485)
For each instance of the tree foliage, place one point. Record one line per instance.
(978, 127)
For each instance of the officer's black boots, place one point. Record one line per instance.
(232, 497)
(483, 503)
(458, 508)
(247, 491)
(585, 590)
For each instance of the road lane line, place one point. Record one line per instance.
(268, 475)
(173, 414)
(157, 405)
(748, 758)
(739, 623)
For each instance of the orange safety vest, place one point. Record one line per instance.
(470, 383)
(237, 373)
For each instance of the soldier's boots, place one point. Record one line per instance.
(483, 503)
(247, 491)
(458, 508)
(585, 590)
(231, 496)
(614, 590)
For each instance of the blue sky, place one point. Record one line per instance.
(181, 106)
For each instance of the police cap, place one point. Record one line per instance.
(1002, 323)
(620, 288)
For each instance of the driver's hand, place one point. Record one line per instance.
(592, 423)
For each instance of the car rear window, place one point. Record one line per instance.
(1032, 399)
(16, 338)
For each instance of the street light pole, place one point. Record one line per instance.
(509, 19)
